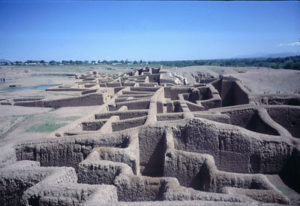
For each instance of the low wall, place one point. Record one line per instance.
(92, 126)
(169, 117)
(126, 124)
(145, 89)
(132, 105)
(86, 100)
(100, 171)
(139, 188)
(122, 115)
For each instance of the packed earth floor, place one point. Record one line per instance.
(151, 141)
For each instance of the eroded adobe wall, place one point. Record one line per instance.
(172, 92)
(12, 186)
(201, 93)
(139, 188)
(233, 150)
(152, 147)
(186, 167)
(288, 117)
(126, 124)
(231, 92)
(290, 173)
(66, 152)
(250, 119)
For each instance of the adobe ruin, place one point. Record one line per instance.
(153, 142)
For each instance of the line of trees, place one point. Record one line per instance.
(292, 62)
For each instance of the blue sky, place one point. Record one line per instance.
(92, 30)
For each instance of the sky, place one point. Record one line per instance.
(146, 30)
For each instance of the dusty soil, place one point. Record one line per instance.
(257, 80)
(270, 81)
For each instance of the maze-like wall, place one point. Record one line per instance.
(152, 142)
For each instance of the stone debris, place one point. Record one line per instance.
(155, 141)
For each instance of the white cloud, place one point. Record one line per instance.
(297, 43)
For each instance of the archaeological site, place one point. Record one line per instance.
(155, 138)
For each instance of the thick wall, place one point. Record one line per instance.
(231, 93)
(185, 166)
(64, 153)
(199, 172)
(55, 154)
(201, 93)
(99, 172)
(172, 92)
(139, 188)
(291, 171)
(12, 188)
(251, 120)
(232, 149)
(152, 147)
(154, 78)
(288, 117)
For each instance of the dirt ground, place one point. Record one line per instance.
(257, 80)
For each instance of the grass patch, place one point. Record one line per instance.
(71, 118)
(46, 127)
(49, 123)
